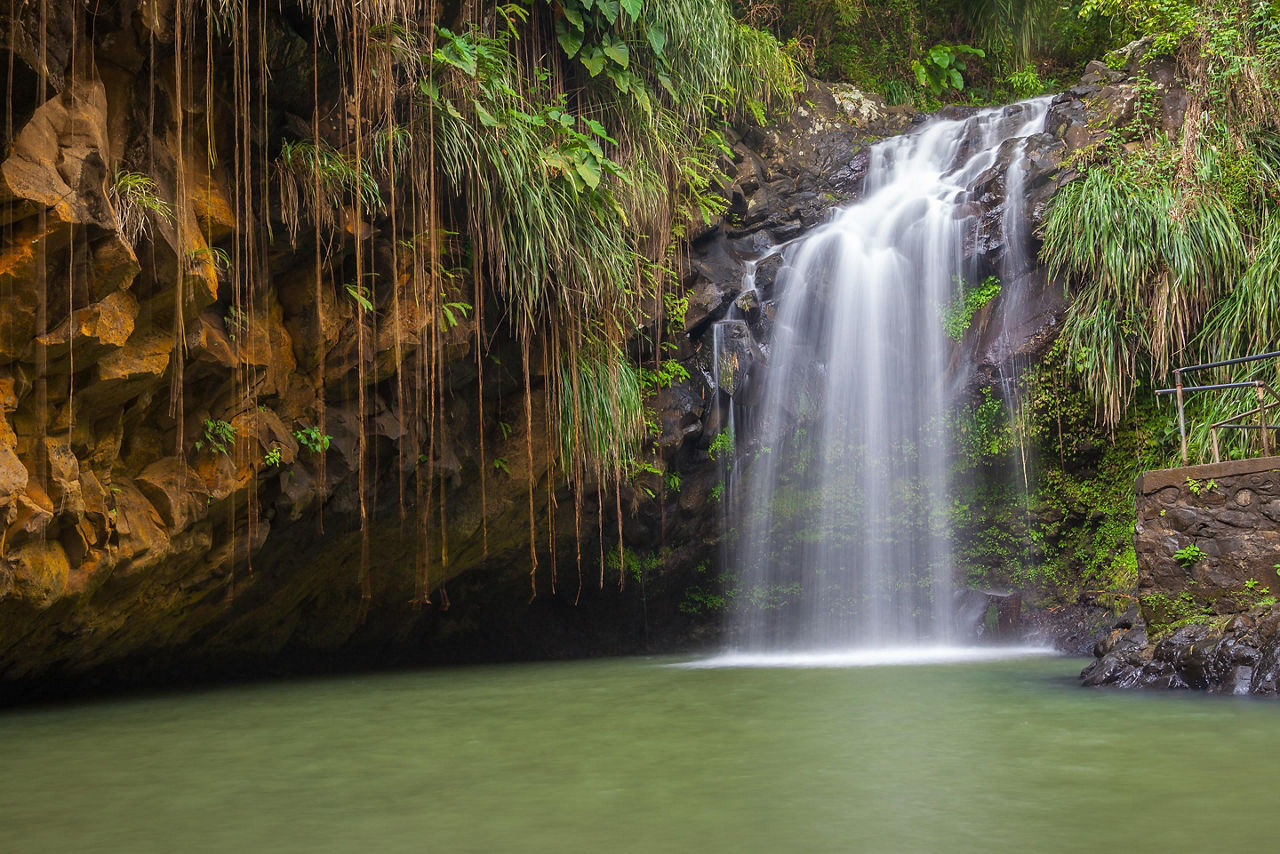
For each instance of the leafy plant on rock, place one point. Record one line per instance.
(941, 68)
(1025, 83)
(312, 439)
(219, 436)
(1200, 487)
(1189, 555)
(315, 178)
(722, 445)
(969, 300)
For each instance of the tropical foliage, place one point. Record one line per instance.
(1171, 245)
(458, 175)
(885, 46)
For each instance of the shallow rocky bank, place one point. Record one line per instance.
(1205, 617)
(1237, 655)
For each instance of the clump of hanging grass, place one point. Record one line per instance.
(1246, 319)
(600, 412)
(315, 179)
(1170, 250)
(134, 199)
(594, 180)
(1148, 259)
(712, 54)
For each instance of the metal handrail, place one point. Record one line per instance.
(1260, 388)
(1225, 362)
(1228, 361)
(1176, 389)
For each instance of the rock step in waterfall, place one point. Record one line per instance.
(838, 506)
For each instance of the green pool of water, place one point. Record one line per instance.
(636, 755)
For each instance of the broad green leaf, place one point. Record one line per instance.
(608, 8)
(598, 129)
(570, 40)
(589, 171)
(956, 80)
(574, 16)
(486, 118)
(456, 51)
(657, 38)
(632, 8)
(617, 51)
(592, 60)
(620, 79)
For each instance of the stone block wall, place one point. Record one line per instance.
(1230, 512)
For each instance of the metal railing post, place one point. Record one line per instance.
(1182, 418)
(1262, 421)
(1260, 388)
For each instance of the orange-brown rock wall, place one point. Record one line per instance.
(134, 537)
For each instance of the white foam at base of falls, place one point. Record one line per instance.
(869, 657)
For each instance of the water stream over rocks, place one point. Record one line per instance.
(839, 502)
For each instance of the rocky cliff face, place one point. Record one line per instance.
(182, 480)
(167, 495)
(789, 177)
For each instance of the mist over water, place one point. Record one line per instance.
(839, 516)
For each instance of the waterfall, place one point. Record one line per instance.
(839, 523)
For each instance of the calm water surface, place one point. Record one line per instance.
(636, 755)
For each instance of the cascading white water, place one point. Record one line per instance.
(840, 525)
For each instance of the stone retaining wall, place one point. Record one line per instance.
(1230, 512)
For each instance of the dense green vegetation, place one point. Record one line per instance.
(1167, 245)
(1002, 49)
(1171, 244)
(1044, 496)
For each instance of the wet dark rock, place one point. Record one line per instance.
(1074, 629)
(787, 179)
(1233, 656)
(990, 615)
